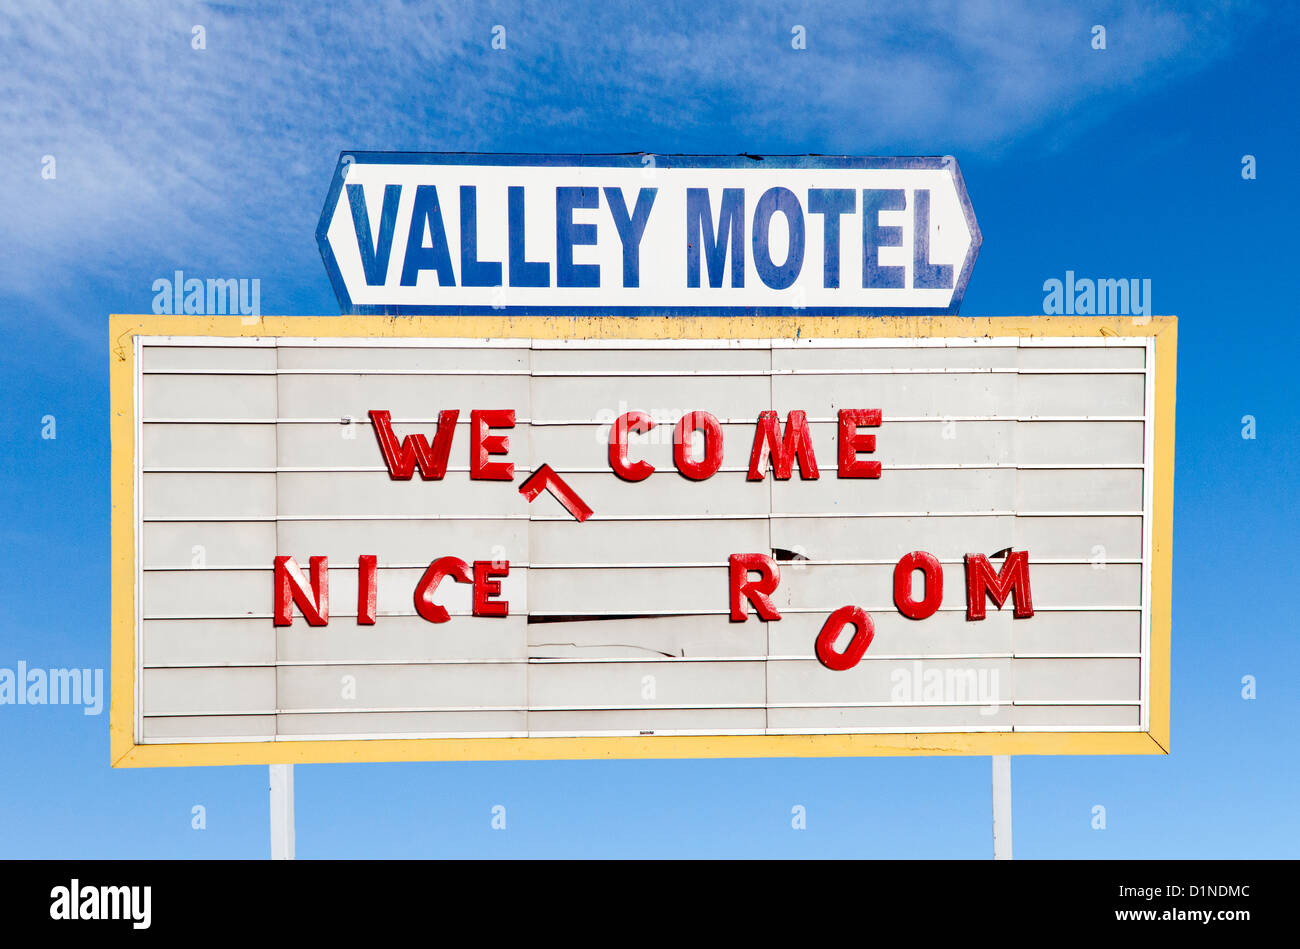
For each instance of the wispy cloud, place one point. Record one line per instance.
(218, 159)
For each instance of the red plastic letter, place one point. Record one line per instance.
(852, 441)
(546, 478)
(1012, 580)
(482, 445)
(485, 586)
(903, 573)
(452, 567)
(291, 588)
(797, 444)
(414, 449)
(366, 589)
(712, 460)
(756, 591)
(864, 630)
(628, 422)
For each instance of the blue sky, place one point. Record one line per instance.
(1119, 163)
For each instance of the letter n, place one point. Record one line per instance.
(1013, 581)
(291, 588)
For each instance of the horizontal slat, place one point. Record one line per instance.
(450, 687)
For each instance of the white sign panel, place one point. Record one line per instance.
(526, 536)
(442, 233)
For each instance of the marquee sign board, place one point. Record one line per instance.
(411, 233)
(363, 539)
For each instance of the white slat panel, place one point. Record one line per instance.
(403, 638)
(209, 593)
(209, 495)
(405, 396)
(605, 398)
(218, 543)
(191, 727)
(974, 681)
(627, 589)
(1119, 538)
(438, 686)
(1080, 394)
(407, 666)
(893, 718)
(208, 691)
(648, 638)
(199, 359)
(795, 634)
(1077, 679)
(678, 359)
(208, 397)
(1077, 716)
(1082, 357)
(401, 724)
(232, 642)
(644, 721)
(612, 541)
(397, 357)
(1079, 632)
(325, 494)
(896, 357)
(960, 394)
(176, 445)
(413, 541)
(1080, 490)
(1076, 443)
(909, 491)
(888, 538)
(570, 685)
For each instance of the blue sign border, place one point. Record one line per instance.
(637, 160)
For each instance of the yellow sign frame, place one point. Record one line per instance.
(124, 752)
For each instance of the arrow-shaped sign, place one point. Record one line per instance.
(405, 233)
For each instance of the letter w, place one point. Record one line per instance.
(414, 449)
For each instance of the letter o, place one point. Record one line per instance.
(712, 460)
(933, 570)
(864, 632)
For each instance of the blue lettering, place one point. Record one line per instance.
(925, 275)
(419, 257)
(874, 237)
(784, 201)
(568, 234)
(374, 256)
(631, 229)
(474, 272)
(523, 272)
(831, 202)
(701, 235)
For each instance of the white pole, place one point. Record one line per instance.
(1001, 807)
(282, 842)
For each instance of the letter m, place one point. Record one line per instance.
(1013, 581)
(414, 449)
(700, 235)
(1116, 296)
(796, 444)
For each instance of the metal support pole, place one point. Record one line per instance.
(282, 842)
(1001, 807)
